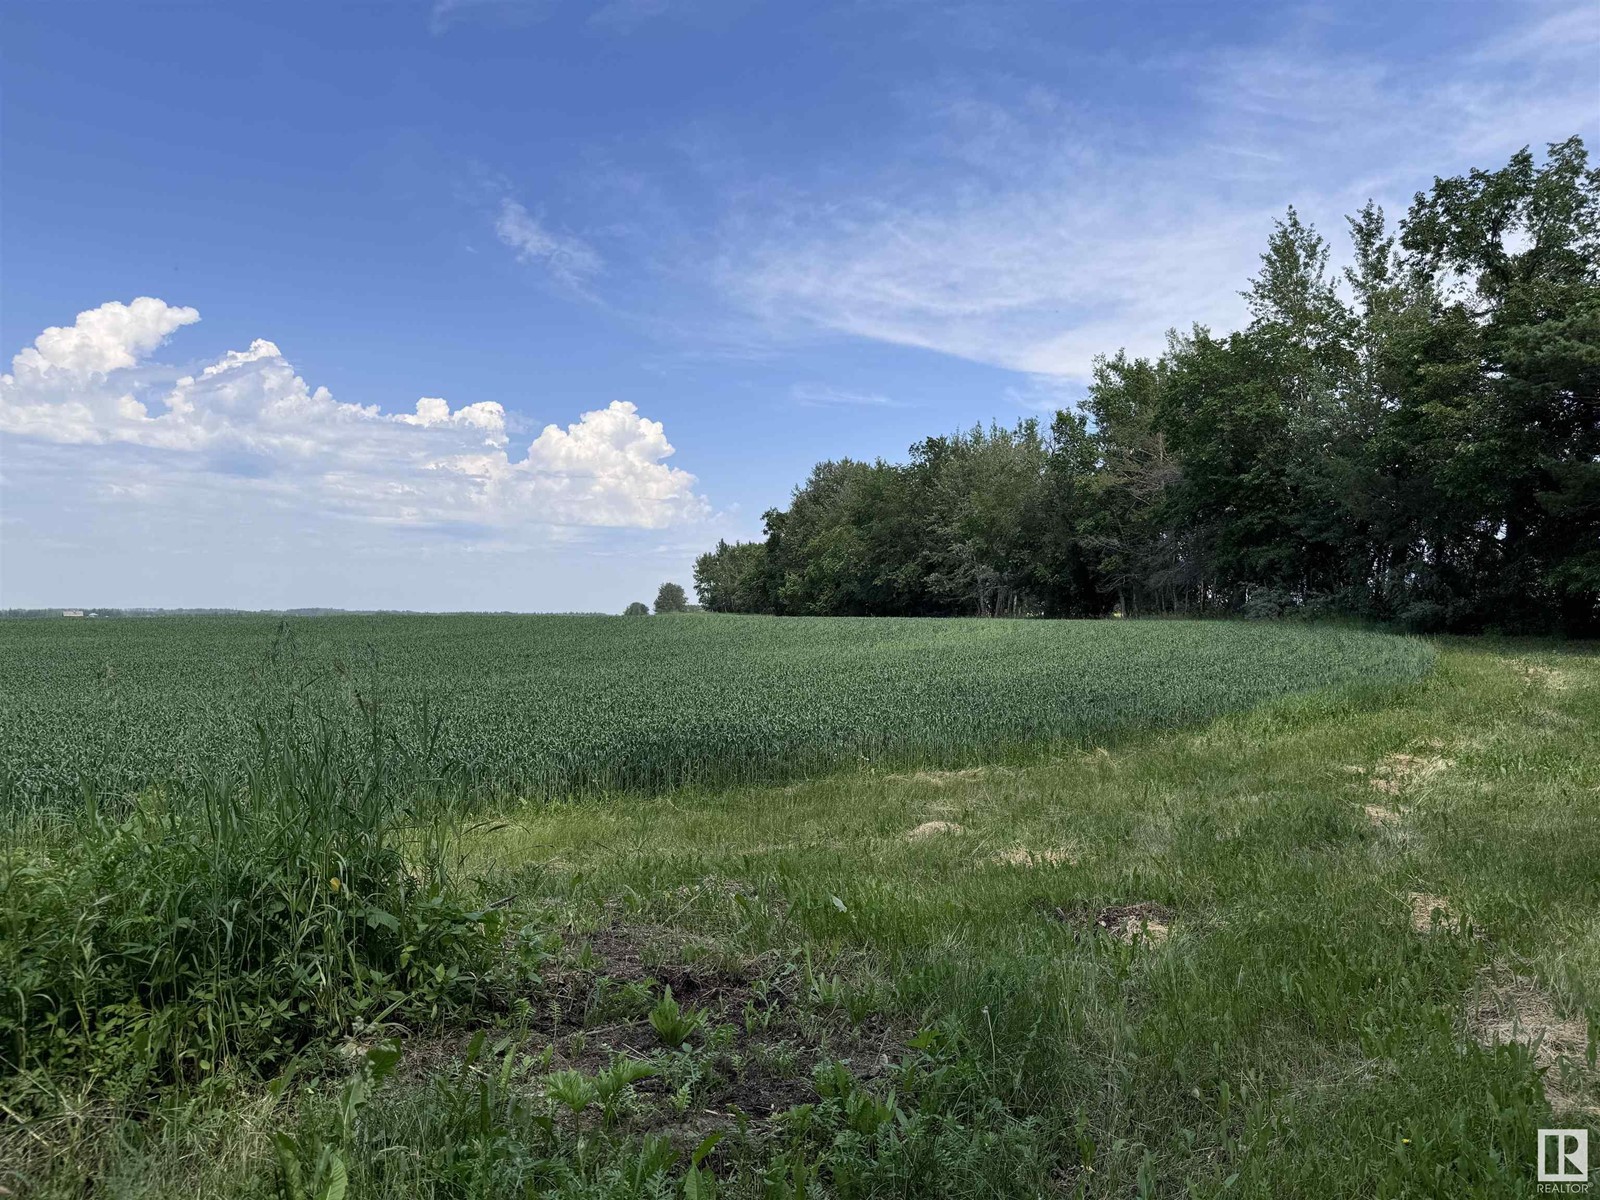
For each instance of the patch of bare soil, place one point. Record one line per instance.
(1145, 921)
(930, 829)
(1399, 771)
(760, 1038)
(1380, 817)
(1551, 678)
(946, 778)
(1519, 1010)
(1430, 912)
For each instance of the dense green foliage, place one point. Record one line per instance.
(235, 917)
(1417, 441)
(671, 598)
(548, 706)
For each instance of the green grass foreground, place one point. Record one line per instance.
(1346, 943)
(549, 706)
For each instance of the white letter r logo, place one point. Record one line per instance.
(1571, 1155)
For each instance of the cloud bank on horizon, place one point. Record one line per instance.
(249, 417)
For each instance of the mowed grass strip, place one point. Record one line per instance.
(1281, 1020)
(546, 707)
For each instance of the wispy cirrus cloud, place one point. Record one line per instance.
(1558, 34)
(625, 16)
(822, 395)
(446, 13)
(1032, 232)
(614, 16)
(569, 260)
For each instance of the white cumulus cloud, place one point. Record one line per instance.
(106, 338)
(247, 426)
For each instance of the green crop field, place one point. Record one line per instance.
(549, 706)
(770, 909)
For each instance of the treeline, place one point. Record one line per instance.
(1415, 439)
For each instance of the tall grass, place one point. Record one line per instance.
(233, 919)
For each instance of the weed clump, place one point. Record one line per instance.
(673, 1024)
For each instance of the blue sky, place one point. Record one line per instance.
(583, 234)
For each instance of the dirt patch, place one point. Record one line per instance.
(1399, 771)
(930, 829)
(762, 1034)
(1049, 856)
(713, 885)
(1519, 1010)
(1379, 817)
(1551, 678)
(661, 955)
(760, 1093)
(1430, 912)
(1145, 921)
(946, 778)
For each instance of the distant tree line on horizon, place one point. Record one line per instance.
(670, 598)
(1420, 445)
(101, 611)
